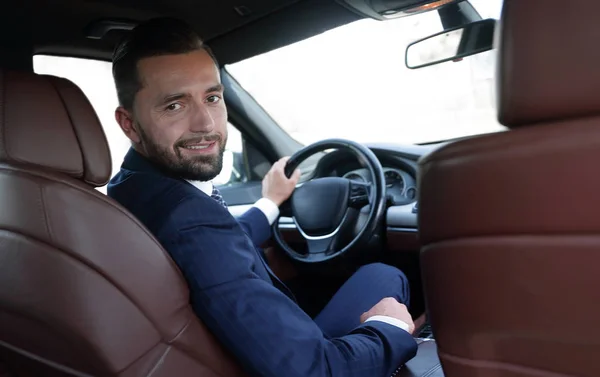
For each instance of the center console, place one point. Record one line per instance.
(426, 363)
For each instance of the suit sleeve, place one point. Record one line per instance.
(256, 226)
(265, 330)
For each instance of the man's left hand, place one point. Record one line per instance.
(276, 186)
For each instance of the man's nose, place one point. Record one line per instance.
(202, 120)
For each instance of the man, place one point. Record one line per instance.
(172, 110)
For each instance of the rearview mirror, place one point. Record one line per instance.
(452, 44)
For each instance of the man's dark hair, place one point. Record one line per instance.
(156, 37)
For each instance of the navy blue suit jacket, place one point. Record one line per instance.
(235, 294)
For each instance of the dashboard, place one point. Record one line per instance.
(400, 172)
(400, 185)
(400, 166)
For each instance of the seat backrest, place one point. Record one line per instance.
(508, 222)
(85, 290)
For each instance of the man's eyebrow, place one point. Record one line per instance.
(175, 96)
(172, 97)
(215, 88)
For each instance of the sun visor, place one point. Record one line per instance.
(386, 9)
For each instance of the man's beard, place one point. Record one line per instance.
(198, 168)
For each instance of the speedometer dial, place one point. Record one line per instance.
(394, 179)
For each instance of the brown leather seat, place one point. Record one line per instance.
(510, 222)
(85, 290)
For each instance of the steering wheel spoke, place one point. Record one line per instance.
(320, 245)
(360, 193)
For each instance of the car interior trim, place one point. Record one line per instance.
(398, 217)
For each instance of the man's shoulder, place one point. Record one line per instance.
(153, 198)
(132, 186)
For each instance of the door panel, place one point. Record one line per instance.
(245, 193)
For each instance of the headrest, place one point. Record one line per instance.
(47, 122)
(548, 61)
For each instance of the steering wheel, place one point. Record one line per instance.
(327, 211)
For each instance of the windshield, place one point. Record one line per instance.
(352, 83)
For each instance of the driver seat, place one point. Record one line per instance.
(85, 290)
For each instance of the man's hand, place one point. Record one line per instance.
(390, 307)
(276, 186)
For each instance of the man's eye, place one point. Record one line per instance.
(173, 107)
(213, 99)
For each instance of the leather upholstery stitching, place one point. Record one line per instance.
(67, 254)
(432, 370)
(99, 272)
(45, 213)
(93, 193)
(68, 105)
(185, 351)
(160, 361)
(52, 83)
(50, 363)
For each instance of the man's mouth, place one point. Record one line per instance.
(198, 146)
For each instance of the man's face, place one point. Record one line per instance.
(179, 117)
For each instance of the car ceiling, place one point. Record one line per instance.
(235, 29)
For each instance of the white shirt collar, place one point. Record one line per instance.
(205, 187)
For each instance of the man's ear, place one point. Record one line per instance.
(125, 120)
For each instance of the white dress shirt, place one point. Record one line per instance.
(271, 211)
(266, 206)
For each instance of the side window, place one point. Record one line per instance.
(234, 170)
(95, 79)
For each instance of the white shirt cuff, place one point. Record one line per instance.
(269, 208)
(390, 321)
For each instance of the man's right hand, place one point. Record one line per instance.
(390, 307)
(276, 186)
